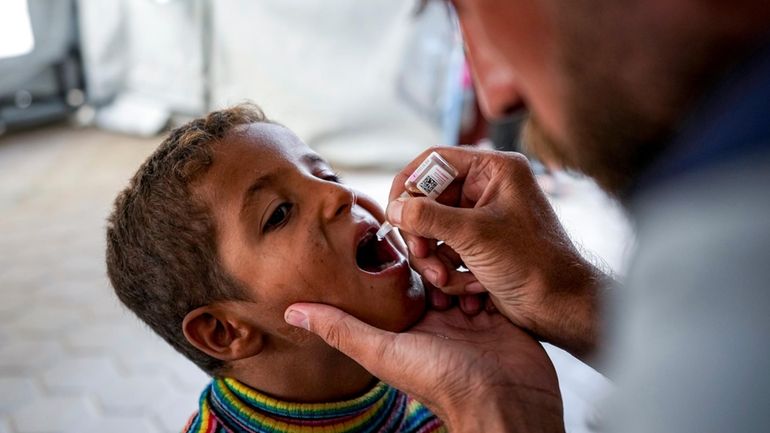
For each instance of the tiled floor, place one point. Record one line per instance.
(73, 360)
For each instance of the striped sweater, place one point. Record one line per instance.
(227, 405)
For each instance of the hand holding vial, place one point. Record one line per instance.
(495, 221)
(429, 180)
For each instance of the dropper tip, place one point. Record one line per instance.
(384, 230)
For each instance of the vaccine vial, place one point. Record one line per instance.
(430, 179)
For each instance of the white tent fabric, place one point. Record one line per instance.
(148, 56)
(16, 38)
(51, 22)
(335, 71)
(329, 69)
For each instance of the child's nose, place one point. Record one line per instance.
(337, 200)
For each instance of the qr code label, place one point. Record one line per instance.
(428, 184)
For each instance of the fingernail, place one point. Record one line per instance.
(432, 276)
(296, 318)
(394, 211)
(474, 287)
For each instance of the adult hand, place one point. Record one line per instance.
(495, 221)
(478, 373)
(470, 304)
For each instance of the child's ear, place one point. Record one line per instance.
(219, 332)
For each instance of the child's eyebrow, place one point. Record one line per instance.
(260, 182)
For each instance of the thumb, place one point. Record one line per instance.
(371, 347)
(424, 217)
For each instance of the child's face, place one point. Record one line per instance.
(290, 232)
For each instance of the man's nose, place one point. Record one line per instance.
(336, 200)
(495, 82)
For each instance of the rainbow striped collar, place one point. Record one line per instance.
(227, 405)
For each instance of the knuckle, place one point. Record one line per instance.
(382, 349)
(518, 159)
(519, 164)
(337, 334)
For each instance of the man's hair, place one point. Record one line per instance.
(161, 240)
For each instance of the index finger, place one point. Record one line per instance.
(385, 354)
(361, 341)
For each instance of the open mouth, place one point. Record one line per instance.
(375, 256)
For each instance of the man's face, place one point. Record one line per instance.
(290, 232)
(597, 101)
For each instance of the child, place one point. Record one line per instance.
(231, 220)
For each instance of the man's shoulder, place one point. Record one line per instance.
(717, 218)
(717, 203)
(691, 318)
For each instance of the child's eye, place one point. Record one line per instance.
(331, 177)
(279, 217)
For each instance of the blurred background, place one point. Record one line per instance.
(87, 90)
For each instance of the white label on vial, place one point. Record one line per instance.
(418, 172)
(434, 182)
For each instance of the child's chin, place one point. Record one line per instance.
(414, 306)
(413, 316)
(405, 320)
(399, 311)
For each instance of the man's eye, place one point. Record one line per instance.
(278, 218)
